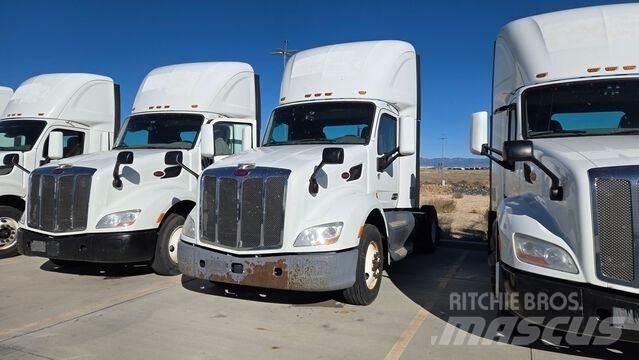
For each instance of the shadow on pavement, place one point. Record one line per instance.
(108, 271)
(295, 298)
(432, 281)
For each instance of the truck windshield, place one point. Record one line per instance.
(160, 131)
(321, 123)
(20, 135)
(582, 108)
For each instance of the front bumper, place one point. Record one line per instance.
(614, 312)
(304, 272)
(122, 247)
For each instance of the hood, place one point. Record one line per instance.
(291, 157)
(593, 151)
(107, 159)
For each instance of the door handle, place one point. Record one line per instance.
(395, 196)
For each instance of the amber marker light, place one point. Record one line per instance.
(611, 68)
(541, 75)
(593, 69)
(629, 67)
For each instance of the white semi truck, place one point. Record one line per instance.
(128, 205)
(5, 96)
(80, 111)
(332, 194)
(564, 134)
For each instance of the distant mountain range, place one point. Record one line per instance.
(454, 162)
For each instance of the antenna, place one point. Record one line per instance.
(284, 52)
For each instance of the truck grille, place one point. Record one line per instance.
(243, 212)
(59, 199)
(616, 216)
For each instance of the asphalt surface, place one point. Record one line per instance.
(101, 312)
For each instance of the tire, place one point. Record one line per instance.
(165, 259)
(9, 217)
(427, 232)
(370, 264)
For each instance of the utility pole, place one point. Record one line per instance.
(284, 52)
(443, 138)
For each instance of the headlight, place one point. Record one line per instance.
(320, 235)
(542, 253)
(119, 219)
(189, 227)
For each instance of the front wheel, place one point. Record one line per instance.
(165, 260)
(370, 264)
(9, 217)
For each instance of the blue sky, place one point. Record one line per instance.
(126, 39)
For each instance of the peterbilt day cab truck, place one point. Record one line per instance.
(332, 194)
(128, 205)
(564, 215)
(80, 113)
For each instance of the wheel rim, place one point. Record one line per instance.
(8, 230)
(372, 267)
(174, 240)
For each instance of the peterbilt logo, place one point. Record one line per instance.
(60, 169)
(243, 169)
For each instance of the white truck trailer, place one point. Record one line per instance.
(80, 111)
(564, 210)
(128, 205)
(5, 96)
(332, 194)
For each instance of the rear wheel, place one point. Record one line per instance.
(370, 264)
(9, 217)
(428, 231)
(165, 260)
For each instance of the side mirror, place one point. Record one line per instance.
(56, 145)
(173, 158)
(407, 134)
(518, 150)
(478, 132)
(11, 160)
(207, 144)
(247, 138)
(333, 156)
(124, 158)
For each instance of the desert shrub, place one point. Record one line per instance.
(444, 206)
(458, 195)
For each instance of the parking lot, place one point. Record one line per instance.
(92, 312)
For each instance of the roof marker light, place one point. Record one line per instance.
(40, 114)
(611, 68)
(593, 69)
(541, 75)
(194, 106)
(629, 67)
(150, 107)
(362, 92)
(328, 94)
(318, 94)
(307, 95)
(283, 98)
(167, 106)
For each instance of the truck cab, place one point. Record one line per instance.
(562, 137)
(128, 205)
(332, 194)
(79, 111)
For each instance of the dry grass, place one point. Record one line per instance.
(462, 204)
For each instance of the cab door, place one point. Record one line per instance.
(386, 181)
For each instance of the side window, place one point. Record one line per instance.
(386, 134)
(73, 143)
(228, 138)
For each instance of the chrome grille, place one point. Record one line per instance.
(614, 220)
(243, 212)
(59, 199)
(615, 210)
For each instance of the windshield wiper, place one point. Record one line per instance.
(551, 133)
